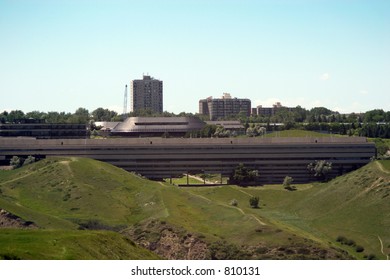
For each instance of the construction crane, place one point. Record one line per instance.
(125, 102)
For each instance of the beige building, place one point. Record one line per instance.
(226, 106)
(146, 94)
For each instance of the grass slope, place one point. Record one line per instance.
(63, 194)
(68, 245)
(355, 206)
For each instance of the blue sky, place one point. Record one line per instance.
(62, 55)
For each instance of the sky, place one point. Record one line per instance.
(62, 55)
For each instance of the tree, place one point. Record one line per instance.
(103, 115)
(243, 175)
(15, 162)
(255, 130)
(320, 169)
(254, 201)
(208, 130)
(80, 116)
(287, 183)
(15, 115)
(221, 132)
(29, 160)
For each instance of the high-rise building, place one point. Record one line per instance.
(147, 94)
(226, 106)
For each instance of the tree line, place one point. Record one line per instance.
(82, 115)
(374, 123)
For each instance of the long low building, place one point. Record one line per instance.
(274, 158)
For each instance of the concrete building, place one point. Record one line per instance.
(146, 94)
(157, 126)
(226, 106)
(274, 158)
(41, 130)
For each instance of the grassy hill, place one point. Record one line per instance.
(355, 206)
(63, 195)
(68, 245)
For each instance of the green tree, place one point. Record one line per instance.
(243, 175)
(15, 162)
(15, 115)
(103, 115)
(320, 169)
(221, 132)
(287, 183)
(80, 116)
(254, 201)
(29, 160)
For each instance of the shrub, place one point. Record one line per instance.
(254, 202)
(287, 182)
(29, 160)
(234, 202)
(15, 162)
(341, 239)
(359, 249)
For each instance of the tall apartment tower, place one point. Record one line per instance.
(226, 106)
(147, 94)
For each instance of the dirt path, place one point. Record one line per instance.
(380, 240)
(20, 177)
(232, 207)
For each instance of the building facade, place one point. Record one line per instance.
(41, 130)
(274, 158)
(226, 106)
(146, 94)
(157, 126)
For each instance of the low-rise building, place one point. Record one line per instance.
(41, 130)
(157, 126)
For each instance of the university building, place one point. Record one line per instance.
(226, 106)
(147, 94)
(274, 158)
(41, 130)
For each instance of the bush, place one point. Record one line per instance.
(341, 239)
(15, 162)
(287, 182)
(359, 249)
(350, 242)
(254, 202)
(234, 202)
(29, 160)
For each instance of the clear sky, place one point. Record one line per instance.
(62, 55)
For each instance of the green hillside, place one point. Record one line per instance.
(355, 206)
(62, 196)
(68, 245)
